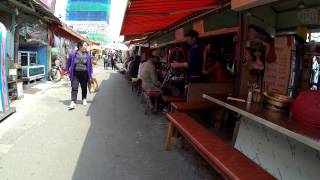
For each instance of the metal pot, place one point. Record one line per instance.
(278, 100)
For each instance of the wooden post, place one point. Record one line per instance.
(169, 136)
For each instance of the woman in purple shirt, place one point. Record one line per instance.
(79, 67)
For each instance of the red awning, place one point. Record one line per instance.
(145, 16)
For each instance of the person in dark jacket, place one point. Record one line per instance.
(79, 67)
(314, 73)
(318, 59)
(195, 58)
(134, 67)
(113, 61)
(105, 61)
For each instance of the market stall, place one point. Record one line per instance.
(283, 146)
(5, 109)
(33, 54)
(273, 55)
(13, 73)
(276, 68)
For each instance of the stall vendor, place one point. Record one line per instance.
(318, 74)
(315, 73)
(195, 58)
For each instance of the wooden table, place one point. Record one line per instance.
(273, 139)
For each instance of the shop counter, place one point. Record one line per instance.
(283, 146)
(33, 72)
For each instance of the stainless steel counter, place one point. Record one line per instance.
(278, 121)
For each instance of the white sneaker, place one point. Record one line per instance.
(72, 105)
(84, 102)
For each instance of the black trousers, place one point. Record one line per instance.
(80, 77)
(105, 65)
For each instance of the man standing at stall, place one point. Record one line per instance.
(194, 65)
(314, 74)
(318, 59)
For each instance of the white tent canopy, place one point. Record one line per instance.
(116, 46)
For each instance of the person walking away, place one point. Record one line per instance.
(109, 58)
(80, 69)
(105, 61)
(314, 74)
(195, 58)
(113, 61)
(133, 67)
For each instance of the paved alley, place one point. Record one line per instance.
(111, 138)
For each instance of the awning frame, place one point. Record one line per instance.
(194, 17)
(189, 20)
(156, 10)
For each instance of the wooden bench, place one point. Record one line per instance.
(193, 106)
(169, 99)
(229, 162)
(152, 94)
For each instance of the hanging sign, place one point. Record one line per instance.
(89, 27)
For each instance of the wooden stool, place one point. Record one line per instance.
(152, 94)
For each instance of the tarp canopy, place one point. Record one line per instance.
(117, 46)
(145, 16)
(98, 38)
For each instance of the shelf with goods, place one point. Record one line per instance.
(15, 88)
(31, 69)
